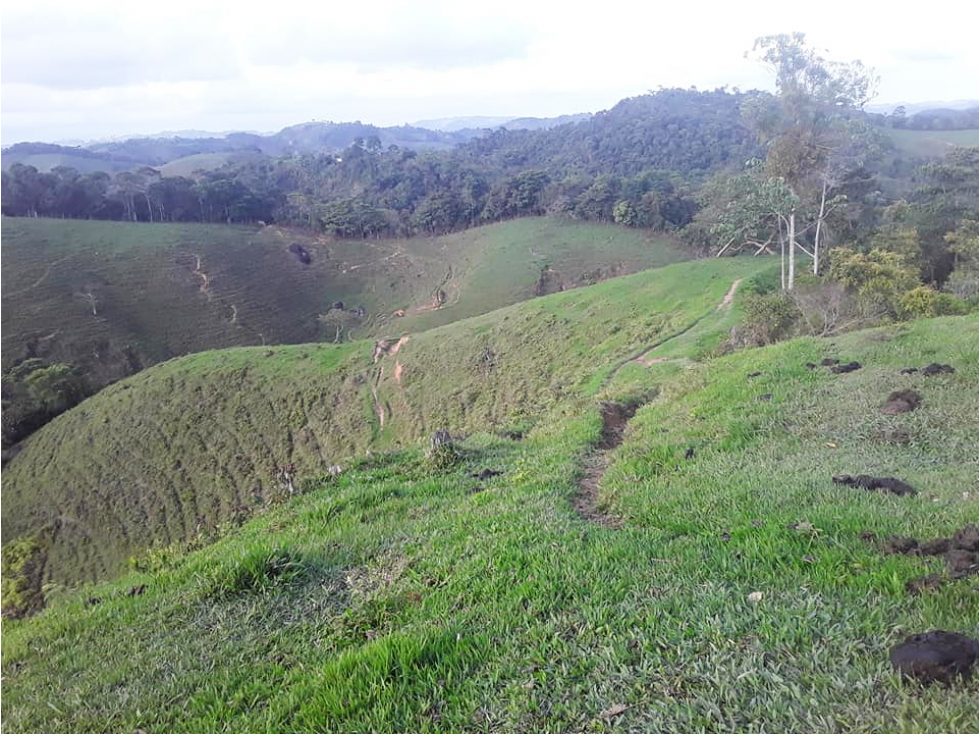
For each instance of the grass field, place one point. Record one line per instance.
(189, 164)
(931, 143)
(194, 441)
(112, 297)
(736, 595)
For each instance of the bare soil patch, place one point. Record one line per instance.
(888, 485)
(936, 657)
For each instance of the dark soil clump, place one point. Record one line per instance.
(302, 255)
(936, 657)
(842, 369)
(938, 369)
(909, 370)
(901, 401)
(960, 551)
(486, 474)
(764, 398)
(829, 362)
(877, 484)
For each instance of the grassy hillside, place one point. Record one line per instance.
(734, 594)
(193, 442)
(931, 143)
(111, 297)
(198, 162)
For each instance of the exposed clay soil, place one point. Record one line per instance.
(936, 657)
(876, 484)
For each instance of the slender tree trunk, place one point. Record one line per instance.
(149, 206)
(781, 251)
(819, 226)
(791, 283)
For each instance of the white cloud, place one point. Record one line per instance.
(77, 70)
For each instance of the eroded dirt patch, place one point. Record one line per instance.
(615, 419)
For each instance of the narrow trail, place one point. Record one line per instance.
(615, 420)
(44, 276)
(643, 357)
(586, 501)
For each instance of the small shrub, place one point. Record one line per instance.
(21, 578)
(260, 570)
(768, 318)
(924, 302)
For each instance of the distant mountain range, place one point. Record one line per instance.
(914, 108)
(478, 122)
(203, 149)
(119, 154)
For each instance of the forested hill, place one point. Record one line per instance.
(357, 180)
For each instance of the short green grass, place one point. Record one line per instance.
(395, 598)
(194, 441)
(113, 297)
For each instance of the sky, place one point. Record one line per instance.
(95, 69)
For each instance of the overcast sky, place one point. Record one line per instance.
(84, 70)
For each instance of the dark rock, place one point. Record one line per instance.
(883, 484)
(764, 398)
(811, 365)
(901, 401)
(828, 362)
(337, 305)
(841, 369)
(754, 374)
(938, 369)
(909, 370)
(936, 657)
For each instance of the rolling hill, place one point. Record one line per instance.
(931, 143)
(91, 294)
(195, 441)
(694, 568)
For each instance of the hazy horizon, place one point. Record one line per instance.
(111, 69)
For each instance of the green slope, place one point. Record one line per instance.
(931, 143)
(111, 297)
(194, 441)
(397, 598)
